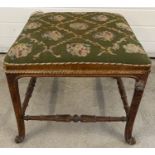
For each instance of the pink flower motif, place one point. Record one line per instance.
(33, 25)
(101, 18)
(57, 18)
(132, 48)
(54, 35)
(79, 26)
(123, 26)
(105, 35)
(78, 49)
(20, 50)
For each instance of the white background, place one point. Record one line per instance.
(78, 3)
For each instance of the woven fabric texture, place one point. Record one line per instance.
(77, 37)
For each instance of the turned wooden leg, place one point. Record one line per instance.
(138, 93)
(14, 92)
(28, 93)
(122, 92)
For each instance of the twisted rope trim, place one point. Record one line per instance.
(61, 63)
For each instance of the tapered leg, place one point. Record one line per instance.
(138, 93)
(14, 91)
(122, 92)
(28, 94)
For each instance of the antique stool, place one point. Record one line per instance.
(77, 44)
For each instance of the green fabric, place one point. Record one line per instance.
(77, 37)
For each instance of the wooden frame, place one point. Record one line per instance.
(131, 111)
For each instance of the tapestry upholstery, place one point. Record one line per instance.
(62, 37)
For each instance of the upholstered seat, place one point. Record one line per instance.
(71, 39)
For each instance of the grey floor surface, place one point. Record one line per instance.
(97, 96)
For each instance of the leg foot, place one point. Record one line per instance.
(138, 93)
(15, 96)
(131, 141)
(19, 139)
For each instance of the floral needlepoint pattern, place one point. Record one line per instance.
(20, 50)
(78, 49)
(57, 18)
(123, 26)
(104, 35)
(79, 26)
(132, 48)
(33, 25)
(53, 35)
(101, 18)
